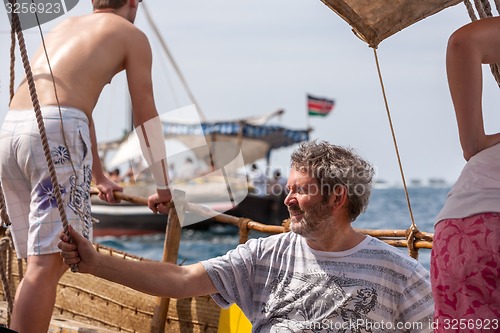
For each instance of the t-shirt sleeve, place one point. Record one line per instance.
(417, 308)
(232, 275)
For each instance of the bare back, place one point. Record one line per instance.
(85, 53)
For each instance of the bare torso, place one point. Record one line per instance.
(85, 53)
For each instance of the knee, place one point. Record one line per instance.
(46, 267)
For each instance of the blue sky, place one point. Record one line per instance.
(244, 58)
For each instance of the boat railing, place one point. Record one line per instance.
(400, 238)
(411, 239)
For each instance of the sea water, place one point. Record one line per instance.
(388, 209)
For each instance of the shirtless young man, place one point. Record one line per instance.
(85, 53)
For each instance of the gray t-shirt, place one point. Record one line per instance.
(282, 285)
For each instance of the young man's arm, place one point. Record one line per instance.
(469, 47)
(154, 278)
(138, 64)
(106, 186)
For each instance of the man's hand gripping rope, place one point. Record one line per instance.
(74, 267)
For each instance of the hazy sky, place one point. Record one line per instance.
(244, 58)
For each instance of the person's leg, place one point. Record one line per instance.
(36, 294)
(465, 274)
(468, 48)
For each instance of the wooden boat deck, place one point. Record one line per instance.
(59, 324)
(86, 303)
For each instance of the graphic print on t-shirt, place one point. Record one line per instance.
(320, 299)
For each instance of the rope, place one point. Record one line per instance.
(470, 10)
(5, 274)
(411, 239)
(495, 68)
(483, 9)
(243, 226)
(480, 8)
(413, 225)
(487, 7)
(72, 188)
(3, 208)
(12, 62)
(172, 61)
(36, 105)
(6, 252)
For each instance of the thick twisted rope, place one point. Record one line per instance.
(3, 209)
(12, 63)
(6, 274)
(483, 9)
(5, 242)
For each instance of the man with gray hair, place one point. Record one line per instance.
(321, 276)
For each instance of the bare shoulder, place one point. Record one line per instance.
(104, 25)
(127, 33)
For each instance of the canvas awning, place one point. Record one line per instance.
(375, 20)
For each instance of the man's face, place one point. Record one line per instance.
(309, 212)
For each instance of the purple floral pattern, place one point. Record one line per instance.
(47, 195)
(79, 189)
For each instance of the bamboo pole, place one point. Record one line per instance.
(392, 237)
(404, 243)
(224, 218)
(170, 255)
(395, 233)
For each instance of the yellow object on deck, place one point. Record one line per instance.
(233, 320)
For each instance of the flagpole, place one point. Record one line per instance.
(308, 120)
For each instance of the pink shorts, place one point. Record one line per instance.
(465, 274)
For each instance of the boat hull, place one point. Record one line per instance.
(128, 219)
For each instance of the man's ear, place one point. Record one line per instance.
(133, 3)
(339, 196)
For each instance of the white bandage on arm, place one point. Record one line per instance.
(152, 142)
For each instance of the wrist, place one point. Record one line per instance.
(95, 263)
(98, 178)
(163, 191)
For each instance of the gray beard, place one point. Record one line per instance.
(315, 220)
